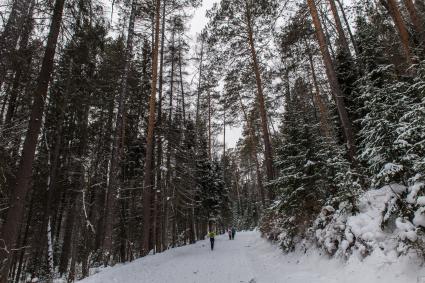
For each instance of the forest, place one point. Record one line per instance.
(113, 127)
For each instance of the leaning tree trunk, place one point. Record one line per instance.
(324, 112)
(394, 11)
(416, 21)
(116, 147)
(9, 232)
(347, 24)
(147, 182)
(333, 81)
(341, 34)
(260, 98)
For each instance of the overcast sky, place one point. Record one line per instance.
(198, 22)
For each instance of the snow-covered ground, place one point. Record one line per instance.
(249, 258)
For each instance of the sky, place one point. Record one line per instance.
(197, 23)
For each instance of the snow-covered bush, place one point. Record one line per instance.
(391, 218)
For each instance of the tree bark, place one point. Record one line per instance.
(344, 16)
(182, 85)
(324, 112)
(198, 98)
(21, 187)
(147, 182)
(260, 98)
(159, 194)
(254, 153)
(24, 59)
(209, 127)
(333, 81)
(117, 145)
(341, 34)
(393, 10)
(9, 37)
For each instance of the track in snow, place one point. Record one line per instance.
(251, 259)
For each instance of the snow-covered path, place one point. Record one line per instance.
(249, 258)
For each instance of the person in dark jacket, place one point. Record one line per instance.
(233, 233)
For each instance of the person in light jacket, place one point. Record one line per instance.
(211, 235)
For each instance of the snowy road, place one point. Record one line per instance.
(251, 259)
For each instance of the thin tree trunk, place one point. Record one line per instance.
(324, 112)
(327, 35)
(198, 98)
(333, 81)
(169, 147)
(347, 23)
(254, 153)
(209, 127)
(224, 139)
(9, 37)
(19, 67)
(147, 182)
(117, 147)
(158, 217)
(182, 86)
(25, 239)
(260, 98)
(21, 187)
(341, 34)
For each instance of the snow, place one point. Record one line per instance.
(419, 219)
(375, 227)
(413, 191)
(250, 258)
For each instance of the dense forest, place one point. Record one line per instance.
(113, 127)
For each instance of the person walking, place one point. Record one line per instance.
(233, 233)
(211, 235)
(229, 231)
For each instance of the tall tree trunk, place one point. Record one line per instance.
(117, 145)
(324, 112)
(24, 59)
(159, 193)
(147, 182)
(347, 23)
(25, 240)
(182, 85)
(254, 153)
(224, 139)
(198, 98)
(21, 187)
(260, 97)
(341, 34)
(169, 147)
(394, 11)
(209, 127)
(10, 36)
(333, 81)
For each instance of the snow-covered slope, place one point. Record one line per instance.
(249, 258)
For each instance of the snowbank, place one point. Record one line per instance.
(381, 225)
